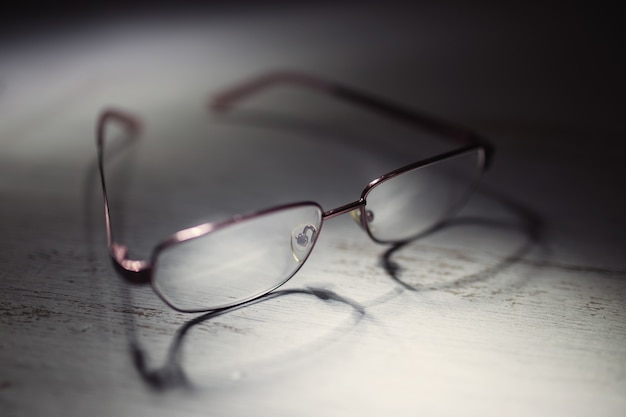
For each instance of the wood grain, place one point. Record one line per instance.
(517, 307)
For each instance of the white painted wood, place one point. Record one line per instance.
(516, 308)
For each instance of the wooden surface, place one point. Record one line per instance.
(516, 308)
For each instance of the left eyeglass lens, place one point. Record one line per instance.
(237, 262)
(406, 205)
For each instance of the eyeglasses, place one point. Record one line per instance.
(217, 265)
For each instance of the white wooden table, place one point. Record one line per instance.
(516, 308)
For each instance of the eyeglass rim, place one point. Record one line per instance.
(205, 229)
(482, 165)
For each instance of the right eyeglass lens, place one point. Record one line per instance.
(237, 262)
(411, 203)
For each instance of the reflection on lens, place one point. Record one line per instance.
(410, 203)
(236, 262)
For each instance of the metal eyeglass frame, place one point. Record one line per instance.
(140, 271)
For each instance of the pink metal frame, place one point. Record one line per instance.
(141, 270)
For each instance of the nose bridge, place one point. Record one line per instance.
(344, 209)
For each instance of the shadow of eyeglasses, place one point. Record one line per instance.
(171, 373)
(529, 224)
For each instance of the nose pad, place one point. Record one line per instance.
(356, 216)
(302, 238)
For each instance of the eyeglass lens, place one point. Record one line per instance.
(238, 261)
(415, 201)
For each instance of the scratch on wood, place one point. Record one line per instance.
(139, 311)
(230, 328)
(26, 312)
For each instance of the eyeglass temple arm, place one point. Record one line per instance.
(225, 100)
(133, 269)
